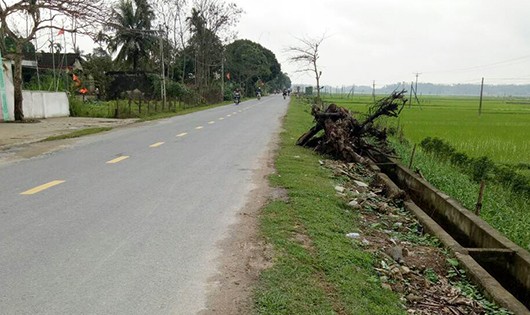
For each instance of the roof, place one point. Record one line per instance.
(62, 61)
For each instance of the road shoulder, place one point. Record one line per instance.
(244, 253)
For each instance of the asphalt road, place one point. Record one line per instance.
(127, 222)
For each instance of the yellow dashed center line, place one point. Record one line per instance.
(154, 145)
(228, 115)
(199, 127)
(234, 113)
(119, 159)
(222, 118)
(182, 134)
(211, 122)
(42, 187)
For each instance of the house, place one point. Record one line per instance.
(59, 61)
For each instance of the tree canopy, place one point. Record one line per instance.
(191, 41)
(249, 64)
(133, 38)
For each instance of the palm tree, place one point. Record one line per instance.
(133, 38)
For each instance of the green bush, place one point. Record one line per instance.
(478, 169)
(481, 168)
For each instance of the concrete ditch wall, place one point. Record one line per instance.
(498, 265)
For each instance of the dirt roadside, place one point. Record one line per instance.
(245, 252)
(23, 140)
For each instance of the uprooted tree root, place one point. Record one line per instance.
(345, 137)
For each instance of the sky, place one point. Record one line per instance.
(389, 41)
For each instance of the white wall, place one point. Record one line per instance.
(35, 104)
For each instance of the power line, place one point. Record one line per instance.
(506, 62)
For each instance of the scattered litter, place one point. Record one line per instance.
(353, 235)
(386, 286)
(339, 189)
(354, 204)
(414, 298)
(397, 225)
(396, 252)
(402, 253)
(360, 184)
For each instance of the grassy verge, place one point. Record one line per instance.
(121, 109)
(91, 110)
(182, 111)
(317, 269)
(502, 208)
(78, 133)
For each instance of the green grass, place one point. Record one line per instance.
(327, 273)
(78, 133)
(182, 111)
(503, 209)
(144, 111)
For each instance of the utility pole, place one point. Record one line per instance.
(163, 85)
(222, 75)
(480, 103)
(416, 86)
(410, 97)
(373, 90)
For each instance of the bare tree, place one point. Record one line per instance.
(211, 24)
(173, 14)
(21, 20)
(219, 17)
(306, 55)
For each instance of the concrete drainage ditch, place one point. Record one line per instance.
(495, 263)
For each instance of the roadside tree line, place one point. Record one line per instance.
(189, 46)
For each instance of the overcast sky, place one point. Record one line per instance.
(447, 41)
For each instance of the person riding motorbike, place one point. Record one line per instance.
(258, 93)
(284, 93)
(237, 96)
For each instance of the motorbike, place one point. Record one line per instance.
(258, 95)
(237, 98)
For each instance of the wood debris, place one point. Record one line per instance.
(346, 138)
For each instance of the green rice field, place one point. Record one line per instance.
(501, 132)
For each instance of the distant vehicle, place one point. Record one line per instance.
(237, 97)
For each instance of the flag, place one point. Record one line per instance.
(61, 32)
(228, 75)
(75, 78)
